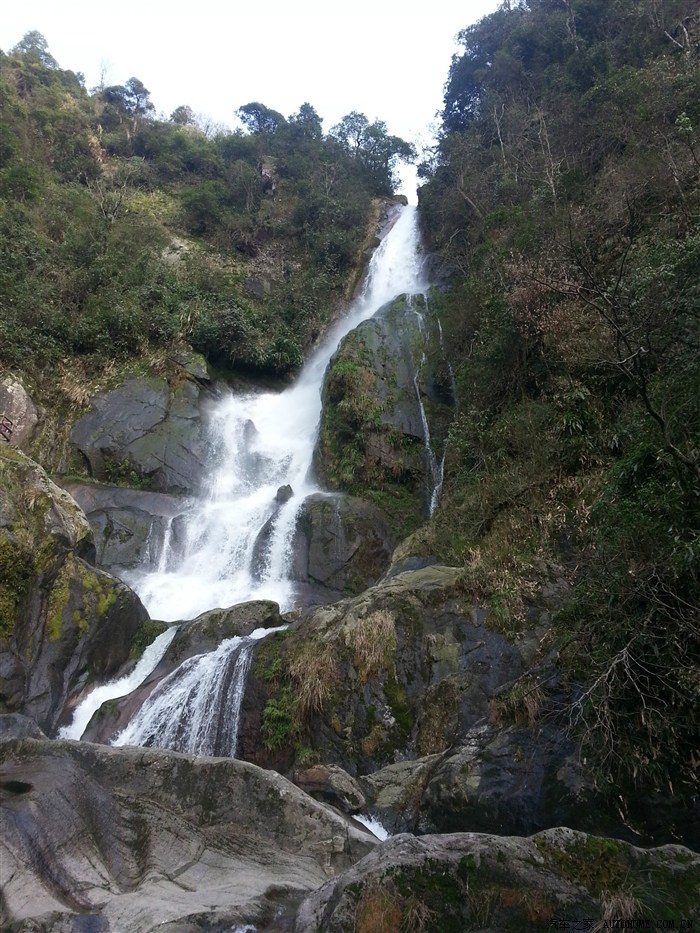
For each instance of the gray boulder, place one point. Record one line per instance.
(400, 671)
(505, 780)
(332, 785)
(341, 546)
(146, 431)
(17, 405)
(63, 624)
(95, 838)
(129, 525)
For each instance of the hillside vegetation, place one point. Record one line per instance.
(123, 234)
(563, 204)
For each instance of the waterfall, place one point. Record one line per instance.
(435, 469)
(440, 467)
(164, 555)
(260, 442)
(197, 708)
(236, 542)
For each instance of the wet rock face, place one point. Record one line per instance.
(133, 839)
(381, 399)
(62, 623)
(342, 545)
(128, 524)
(147, 431)
(469, 881)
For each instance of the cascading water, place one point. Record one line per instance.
(237, 542)
(197, 708)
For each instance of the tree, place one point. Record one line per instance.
(131, 99)
(257, 118)
(307, 122)
(373, 147)
(34, 47)
(137, 99)
(183, 116)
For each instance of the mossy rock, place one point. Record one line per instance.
(372, 437)
(472, 881)
(62, 622)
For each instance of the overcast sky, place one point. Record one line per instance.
(381, 57)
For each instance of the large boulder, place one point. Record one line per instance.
(146, 432)
(402, 670)
(489, 883)
(512, 780)
(17, 407)
(385, 413)
(504, 779)
(341, 546)
(95, 838)
(62, 622)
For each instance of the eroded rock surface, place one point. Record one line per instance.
(128, 525)
(342, 545)
(95, 838)
(17, 405)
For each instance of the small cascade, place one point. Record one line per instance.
(372, 824)
(197, 707)
(437, 489)
(450, 370)
(164, 555)
(434, 468)
(118, 688)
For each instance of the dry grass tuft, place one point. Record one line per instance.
(618, 909)
(373, 643)
(521, 704)
(378, 910)
(315, 676)
(78, 385)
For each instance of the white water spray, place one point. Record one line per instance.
(237, 542)
(372, 824)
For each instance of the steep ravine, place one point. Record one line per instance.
(399, 693)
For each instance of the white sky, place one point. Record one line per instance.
(386, 58)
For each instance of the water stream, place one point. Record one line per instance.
(235, 543)
(117, 688)
(197, 708)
